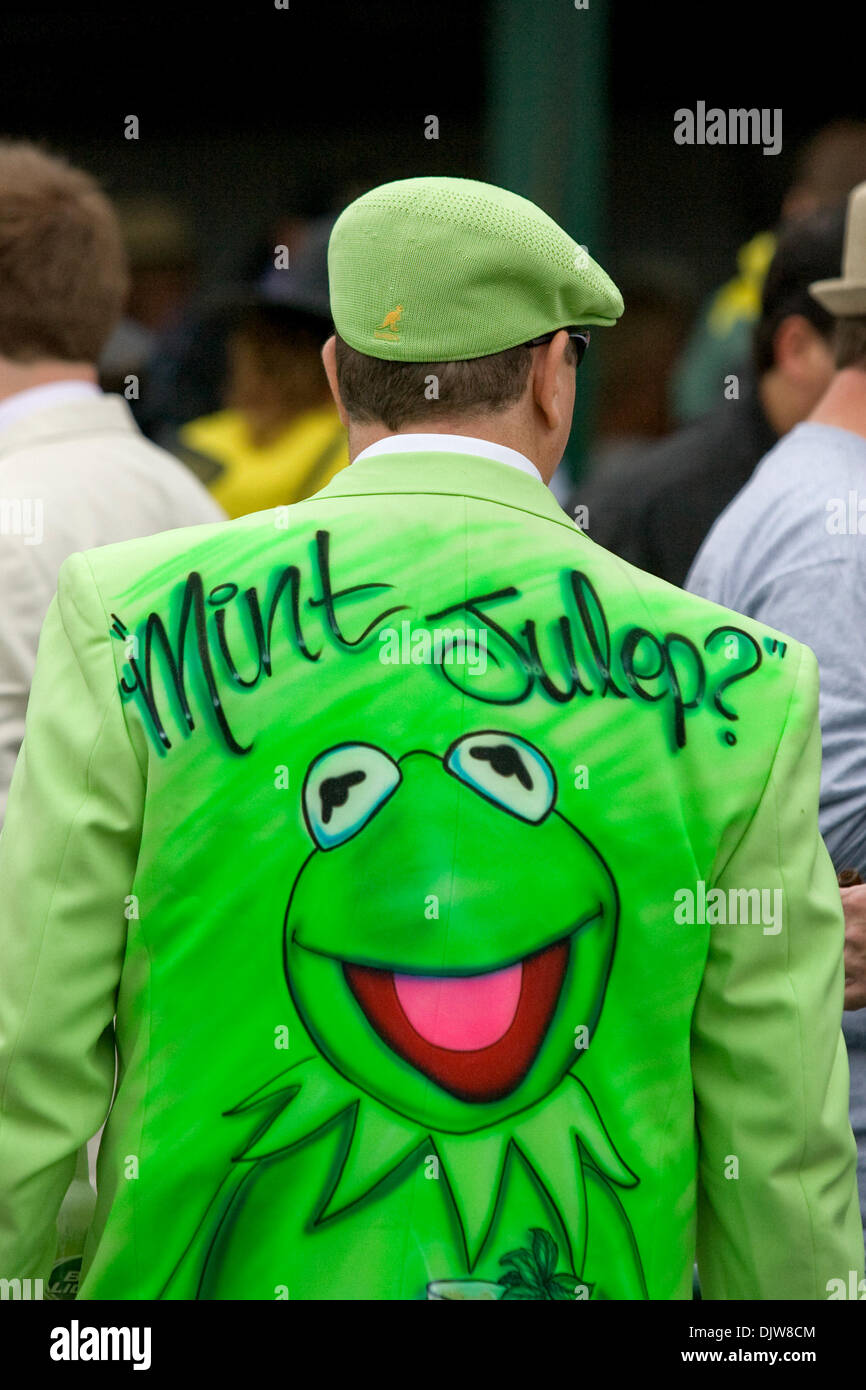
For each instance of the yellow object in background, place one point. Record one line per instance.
(245, 476)
(720, 342)
(740, 298)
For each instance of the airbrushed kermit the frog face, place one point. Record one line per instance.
(451, 934)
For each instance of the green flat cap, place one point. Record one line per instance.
(441, 269)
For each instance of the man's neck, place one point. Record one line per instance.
(843, 404)
(16, 377)
(779, 411)
(362, 436)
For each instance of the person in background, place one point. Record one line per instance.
(74, 470)
(655, 508)
(631, 404)
(189, 368)
(789, 551)
(828, 167)
(162, 276)
(277, 438)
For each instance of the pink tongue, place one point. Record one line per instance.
(461, 1013)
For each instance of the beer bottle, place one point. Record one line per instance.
(73, 1222)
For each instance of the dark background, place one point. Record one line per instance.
(247, 111)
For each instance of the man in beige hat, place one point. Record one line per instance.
(790, 551)
(846, 298)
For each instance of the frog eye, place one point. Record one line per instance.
(506, 770)
(343, 790)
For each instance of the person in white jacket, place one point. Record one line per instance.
(75, 471)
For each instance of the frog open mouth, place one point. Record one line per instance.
(476, 1036)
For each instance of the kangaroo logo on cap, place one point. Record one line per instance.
(389, 328)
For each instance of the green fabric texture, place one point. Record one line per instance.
(260, 820)
(442, 269)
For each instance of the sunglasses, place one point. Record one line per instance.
(580, 336)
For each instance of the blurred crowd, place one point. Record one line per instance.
(687, 409)
(230, 380)
(134, 400)
(225, 407)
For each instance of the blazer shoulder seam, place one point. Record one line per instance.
(82, 558)
(466, 496)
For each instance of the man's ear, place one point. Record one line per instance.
(548, 379)
(793, 342)
(329, 361)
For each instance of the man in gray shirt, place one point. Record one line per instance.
(787, 550)
(791, 550)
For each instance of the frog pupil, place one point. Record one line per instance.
(506, 761)
(334, 792)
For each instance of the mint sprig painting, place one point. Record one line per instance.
(531, 1273)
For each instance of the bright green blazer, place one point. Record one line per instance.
(451, 897)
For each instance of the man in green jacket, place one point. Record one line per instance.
(451, 892)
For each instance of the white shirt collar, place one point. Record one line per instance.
(42, 397)
(450, 444)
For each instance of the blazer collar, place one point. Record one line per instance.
(454, 474)
(450, 444)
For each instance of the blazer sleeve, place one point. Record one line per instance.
(778, 1214)
(26, 591)
(67, 860)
